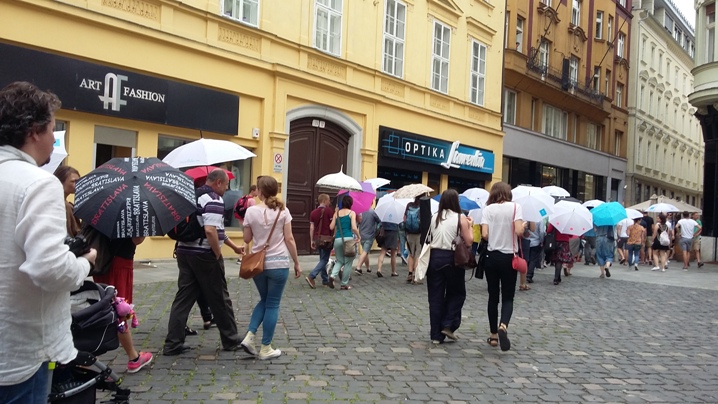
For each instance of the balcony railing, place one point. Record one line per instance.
(576, 87)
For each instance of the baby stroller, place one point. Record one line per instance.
(94, 330)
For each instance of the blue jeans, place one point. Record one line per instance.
(32, 391)
(270, 285)
(342, 261)
(634, 252)
(321, 267)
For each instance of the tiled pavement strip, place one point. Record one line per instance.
(636, 337)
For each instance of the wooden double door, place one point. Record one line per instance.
(316, 147)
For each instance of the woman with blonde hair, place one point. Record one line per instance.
(501, 224)
(258, 222)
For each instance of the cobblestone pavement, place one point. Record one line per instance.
(621, 339)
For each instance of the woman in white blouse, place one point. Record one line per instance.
(501, 224)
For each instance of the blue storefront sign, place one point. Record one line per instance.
(449, 155)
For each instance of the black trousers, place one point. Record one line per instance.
(446, 289)
(201, 274)
(534, 260)
(501, 279)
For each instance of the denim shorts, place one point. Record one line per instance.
(604, 250)
(686, 244)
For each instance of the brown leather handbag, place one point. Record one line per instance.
(350, 247)
(462, 253)
(253, 263)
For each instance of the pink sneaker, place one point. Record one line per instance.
(135, 366)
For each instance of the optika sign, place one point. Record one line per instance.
(115, 94)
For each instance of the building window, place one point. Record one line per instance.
(678, 34)
(520, 34)
(576, 12)
(618, 142)
(622, 3)
(328, 26)
(440, 58)
(546, 2)
(609, 28)
(668, 69)
(510, 107)
(555, 122)
(650, 103)
(506, 29)
(608, 84)
(246, 11)
(660, 62)
(544, 55)
(710, 32)
(619, 95)
(668, 23)
(394, 34)
(641, 94)
(621, 43)
(478, 72)
(597, 79)
(573, 71)
(599, 25)
(593, 136)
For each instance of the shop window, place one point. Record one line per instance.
(462, 184)
(398, 178)
(434, 182)
(549, 176)
(440, 58)
(113, 142)
(394, 35)
(328, 26)
(246, 11)
(506, 170)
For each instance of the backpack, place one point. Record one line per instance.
(240, 208)
(190, 229)
(411, 224)
(664, 239)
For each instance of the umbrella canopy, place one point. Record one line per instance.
(200, 173)
(633, 213)
(390, 209)
(682, 206)
(535, 203)
(663, 208)
(593, 203)
(205, 152)
(479, 195)
(58, 152)
(555, 190)
(134, 197)
(362, 200)
(564, 198)
(475, 215)
(378, 182)
(434, 205)
(571, 218)
(608, 214)
(464, 202)
(411, 191)
(339, 181)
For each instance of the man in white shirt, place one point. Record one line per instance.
(37, 269)
(622, 229)
(689, 228)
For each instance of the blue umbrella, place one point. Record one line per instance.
(464, 202)
(608, 214)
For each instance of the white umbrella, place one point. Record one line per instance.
(633, 213)
(390, 209)
(58, 152)
(206, 152)
(555, 190)
(535, 203)
(475, 215)
(377, 182)
(339, 181)
(434, 204)
(662, 207)
(593, 203)
(479, 195)
(411, 191)
(571, 218)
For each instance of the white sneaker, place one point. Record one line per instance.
(248, 344)
(268, 353)
(655, 269)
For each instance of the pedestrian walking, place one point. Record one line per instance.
(659, 249)
(561, 256)
(319, 225)
(258, 223)
(636, 239)
(536, 234)
(688, 228)
(412, 227)
(344, 225)
(696, 245)
(605, 245)
(501, 224)
(388, 247)
(621, 244)
(647, 223)
(368, 223)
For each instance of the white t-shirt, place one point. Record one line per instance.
(500, 217)
(688, 227)
(442, 236)
(625, 223)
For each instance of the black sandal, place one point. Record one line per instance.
(504, 339)
(494, 342)
(379, 274)
(410, 277)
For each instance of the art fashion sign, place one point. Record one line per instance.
(449, 155)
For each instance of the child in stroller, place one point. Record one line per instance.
(94, 329)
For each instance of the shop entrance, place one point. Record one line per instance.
(113, 142)
(316, 148)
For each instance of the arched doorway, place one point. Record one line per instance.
(316, 147)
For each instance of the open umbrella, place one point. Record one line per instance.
(58, 152)
(134, 197)
(593, 203)
(662, 207)
(362, 200)
(475, 215)
(390, 209)
(200, 173)
(633, 213)
(411, 191)
(535, 203)
(571, 218)
(555, 190)
(434, 206)
(339, 181)
(205, 152)
(479, 195)
(608, 214)
(377, 182)
(464, 202)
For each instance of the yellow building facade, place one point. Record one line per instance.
(406, 90)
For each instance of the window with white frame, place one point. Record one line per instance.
(622, 3)
(246, 11)
(394, 36)
(619, 95)
(677, 34)
(544, 55)
(618, 141)
(597, 79)
(576, 12)
(607, 84)
(621, 44)
(710, 32)
(599, 25)
(593, 135)
(506, 29)
(555, 122)
(509, 107)
(478, 72)
(519, 34)
(328, 26)
(609, 28)
(573, 71)
(440, 58)
(546, 2)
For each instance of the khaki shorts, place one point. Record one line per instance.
(413, 244)
(696, 245)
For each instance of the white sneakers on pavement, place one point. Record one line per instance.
(248, 344)
(267, 352)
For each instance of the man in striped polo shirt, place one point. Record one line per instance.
(201, 268)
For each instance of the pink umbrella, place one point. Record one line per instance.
(199, 174)
(362, 200)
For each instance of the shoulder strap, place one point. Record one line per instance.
(266, 245)
(321, 220)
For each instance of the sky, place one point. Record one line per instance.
(686, 7)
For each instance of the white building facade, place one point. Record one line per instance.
(665, 145)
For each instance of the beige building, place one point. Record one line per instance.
(400, 89)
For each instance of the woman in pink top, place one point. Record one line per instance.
(258, 223)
